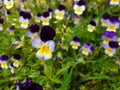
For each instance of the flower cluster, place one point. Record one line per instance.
(109, 37)
(14, 62)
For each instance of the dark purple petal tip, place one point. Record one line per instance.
(93, 23)
(106, 16)
(76, 39)
(1, 20)
(47, 33)
(46, 14)
(81, 2)
(34, 28)
(50, 10)
(61, 7)
(113, 44)
(4, 58)
(17, 56)
(38, 14)
(26, 15)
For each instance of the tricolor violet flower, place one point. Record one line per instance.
(11, 30)
(87, 49)
(75, 43)
(33, 32)
(107, 37)
(105, 20)
(3, 61)
(91, 26)
(114, 2)
(60, 12)
(15, 63)
(114, 24)
(37, 17)
(9, 3)
(111, 49)
(45, 18)
(24, 19)
(28, 85)
(45, 43)
(79, 8)
(1, 24)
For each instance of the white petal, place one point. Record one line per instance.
(51, 45)
(36, 42)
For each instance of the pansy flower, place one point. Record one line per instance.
(75, 43)
(28, 85)
(91, 26)
(7, 13)
(9, 3)
(45, 43)
(33, 32)
(87, 49)
(15, 62)
(114, 24)
(60, 12)
(1, 24)
(111, 49)
(11, 30)
(37, 18)
(114, 2)
(105, 20)
(79, 8)
(107, 37)
(24, 19)
(3, 61)
(45, 18)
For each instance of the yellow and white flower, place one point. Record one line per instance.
(9, 3)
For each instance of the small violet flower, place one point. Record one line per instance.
(87, 49)
(114, 2)
(33, 32)
(9, 3)
(75, 43)
(79, 8)
(45, 18)
(60, 12)
(91, 26)
(3, 61)
(24, 19)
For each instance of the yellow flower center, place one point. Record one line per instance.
(85, 51)
(44, 50)
(109, 51)
(104, 22)
(34, 36)
(11, 32)
(78, 10)
(45, 21)
(115, 1)
(112, 28)
(10, 4)
(16, 63)
(91, 28)
(107, 40)
(37, 19)
(74, 46)
(24, 23)
(1, 27)
(59, 15)
(4, 65)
